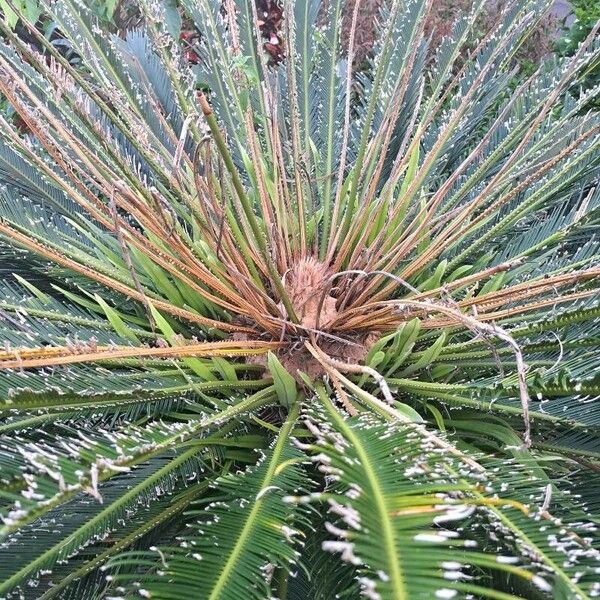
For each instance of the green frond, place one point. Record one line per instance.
(85, 521)
(234, 544)
(405, 515)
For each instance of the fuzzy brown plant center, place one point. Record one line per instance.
(311, 293)
(308, 284)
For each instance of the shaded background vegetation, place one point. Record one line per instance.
(556, 31)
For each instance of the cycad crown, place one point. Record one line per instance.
(297, 330)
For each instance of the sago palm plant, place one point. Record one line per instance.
(293, 331)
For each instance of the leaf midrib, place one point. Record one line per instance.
(251, 519)
(389, 538)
